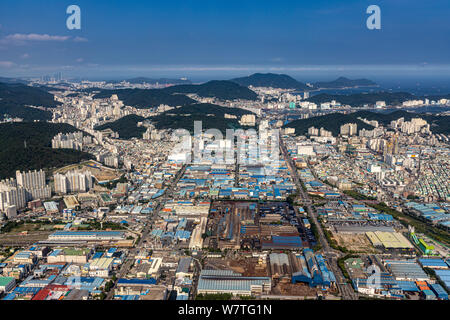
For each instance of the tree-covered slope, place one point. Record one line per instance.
(333, 121)
(146, 98)
(360, 99)
(281, 81)
(15, 99)
(225, 90)
(126, 127)
(27, 146)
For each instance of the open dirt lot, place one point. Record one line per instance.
(20, 239)
(354, 242)
(290, 289)
(101, 173)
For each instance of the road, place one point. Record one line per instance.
(330, 254)
(126, 266)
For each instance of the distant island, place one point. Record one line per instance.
(342, 83)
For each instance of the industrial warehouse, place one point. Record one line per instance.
(228, 281)
(306, 268)
(268, 226)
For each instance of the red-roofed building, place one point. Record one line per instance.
(41, 295)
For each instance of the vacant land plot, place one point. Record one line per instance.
(354, 242)
(100, 172)
(298, 289)
(249, 267)
(23, 239)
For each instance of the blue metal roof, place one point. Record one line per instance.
(137, 281)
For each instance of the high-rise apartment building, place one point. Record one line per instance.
(349, 129)
(11, 196)
(73, 181)
(34, 184)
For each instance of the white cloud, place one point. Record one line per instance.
(79, 60)
(25, 56)
(35, 37)
(277, 59)
(7, 64)
(80, 39)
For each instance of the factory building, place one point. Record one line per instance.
(87, 235)
(228, 281)
(7, 283)
(406, 270)
(307, 268)
(196, 241)
(389, 241)
(311, 268)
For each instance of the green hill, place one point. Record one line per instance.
(38, 153)
(26, 95)
(13, 80)
(225, 90)
(16, 97)
(146, 98)
(126, 127)
(438, 124)
(26, 113)
(333, 121)
(212, 116)
(281, 81)
(360, 99)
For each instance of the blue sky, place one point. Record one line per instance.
(218, 38)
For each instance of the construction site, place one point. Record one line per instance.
(355, 242)
(101, 173)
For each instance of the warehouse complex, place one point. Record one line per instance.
(228, 281)
(306, 268)
(389, 240)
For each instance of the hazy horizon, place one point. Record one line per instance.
(309, 40)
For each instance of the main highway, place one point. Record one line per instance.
(332, 255)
